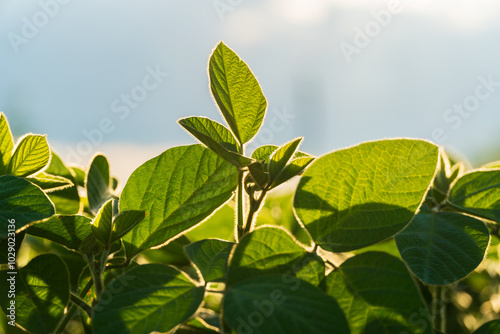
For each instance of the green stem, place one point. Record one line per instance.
(438, 309)
(77, 300)
(71, 311)
(254, 208)
(240, 206)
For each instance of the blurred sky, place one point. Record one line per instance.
(337, 72)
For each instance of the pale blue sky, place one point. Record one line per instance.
(74, 70)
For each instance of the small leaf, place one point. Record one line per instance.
(163, 294)
(355, 197)
(50, 183)
(69, 231)
(378, 295)
(258, 174)
(237, 93)
(265, 251)
(281, 156)
(274, 304)
(31, 155)
(102, 225)
(210, 256)
(294, 168)
(491, 327)
(42, 292)
(124, 222)
(478, 193)
(22, 201)
(177, 190)
(264, 153)
(6, 144)
(80, 176)
(216, 137)
(98, 183)
(443, 247)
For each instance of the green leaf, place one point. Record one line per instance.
(98, 183)
(69, 231)
(22, 201)
(294, 168)
(41, 293)
(66, 201)
(491, 327)
(273, 304)
(216, 137)
(237, 93)
(355, 197)
(281, 156)
(124, 222)
(378, 295)
(80, 176)
(311, 269)
(443, 247)
(258, 174)
(177, 190)
(31, 155)
(478, 193)
(265, 251)
(6, 144)
(50, 183)
(263, 153)
(150, 297)
(210, 256)
(102, 225)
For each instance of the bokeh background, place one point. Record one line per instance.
(115, 76)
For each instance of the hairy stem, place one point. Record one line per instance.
(438, 308)
(254, 208)
(240, 220)
(77, 300)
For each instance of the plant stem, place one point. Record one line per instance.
(71, 311)
(438, 308)
(81, 303)
(240, 206)
(254, 208)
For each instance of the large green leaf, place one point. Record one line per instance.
(6, 144)
(98, 183)
(272, 304)
(311, 269)
(41, 293)
(211, 257)
(124, 222)
(265, 251)
(491, 327)
(237, 93)
(478, 193)
(378, 295)
(31, 155)
(151, 297)
(50, 183)
(443, 247)
(358, 196)
(69, 231)
(22, 201)
(177, 190)
(216, 137)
